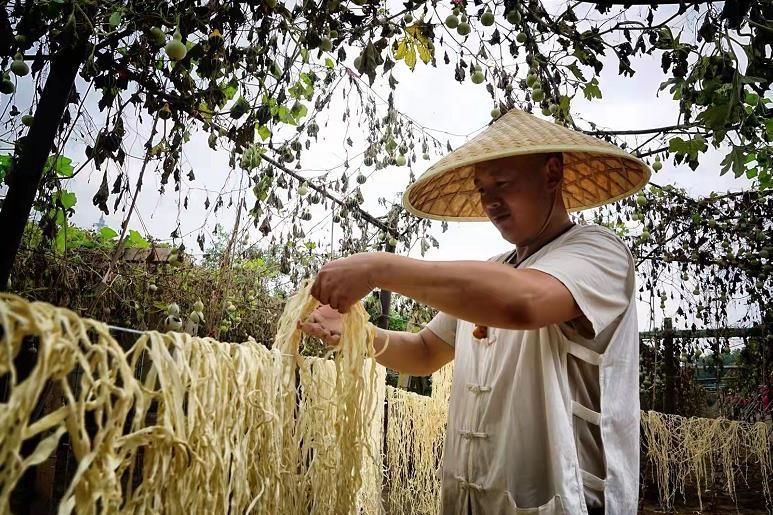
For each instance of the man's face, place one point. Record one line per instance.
(516, 195)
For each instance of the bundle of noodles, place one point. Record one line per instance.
(316, 418)
(103, 394)
(214, 397)
(179, 424)
(190, 434)
(415, 437)
(372, 466)
(441, 383)
(702, 450)
(324, 465)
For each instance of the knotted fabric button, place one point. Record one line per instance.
(469, 435)
(477, 388)
(464, 484)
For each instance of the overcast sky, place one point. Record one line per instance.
(430, 97)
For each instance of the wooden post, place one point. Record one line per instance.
(386, 304)
(385, 298)
(669, 367)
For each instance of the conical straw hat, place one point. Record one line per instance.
(595, 172)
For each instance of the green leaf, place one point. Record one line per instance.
(576, 71)
(687, 148)
(264, 132)
(665, 39)
(591, 89)
(262, 188)
(296, 90)
(60, 242)
(716, 116)
(115, 19)
(769, 127)
(135, 240)
(751, 80)
(674, 82)
(678, 145)
(563, 103)
(205, 111)
(308, 92)
(107, 234)
(276, 71)
(285, 115)
(229, 89)
(305, 77)
(299, 110)
(61, 165)
(329, 63)
(580, 54)
(736, 160)
(5, 165)
(766, 180)
(66, 199)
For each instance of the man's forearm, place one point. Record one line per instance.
(485, 293)
(405, 353)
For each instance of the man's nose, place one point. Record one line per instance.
(489, 200)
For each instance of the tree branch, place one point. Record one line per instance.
(322, 191)
(654, 130)
(627, 3)
(180, 102)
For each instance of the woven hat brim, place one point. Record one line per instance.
(629, 178)
(595, 172)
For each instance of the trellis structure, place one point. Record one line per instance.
(670, 364)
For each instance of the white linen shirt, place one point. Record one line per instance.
(547, 421)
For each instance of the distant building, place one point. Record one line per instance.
(100, 224)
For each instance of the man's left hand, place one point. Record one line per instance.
(343, 282)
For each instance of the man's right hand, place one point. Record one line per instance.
(417, 354)
(324, 323)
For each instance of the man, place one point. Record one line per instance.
(544, 407)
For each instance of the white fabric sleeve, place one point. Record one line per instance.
(444, 327)
(597, 269)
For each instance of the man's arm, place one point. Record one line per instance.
(485, 293)
(416, 354)
(412, 353)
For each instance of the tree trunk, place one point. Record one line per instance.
(31, 155)
(23, 181)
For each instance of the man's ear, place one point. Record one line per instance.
(554, 172)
